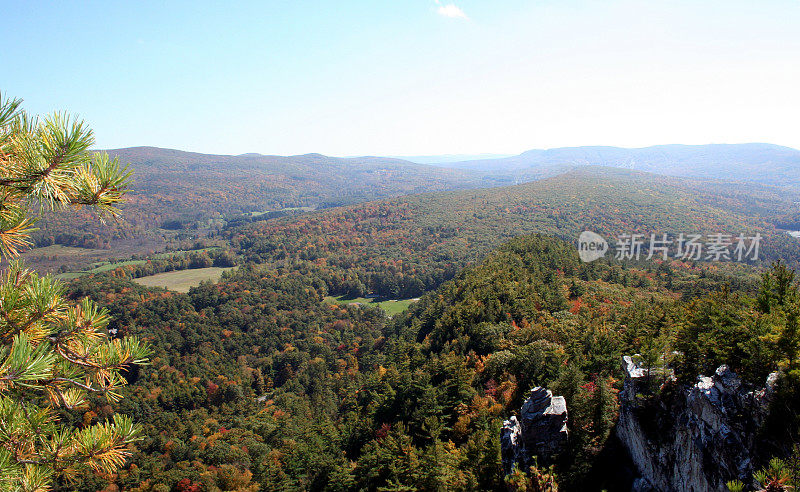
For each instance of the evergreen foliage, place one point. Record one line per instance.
(55, 354)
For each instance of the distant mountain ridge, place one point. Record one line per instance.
(147, 158)
(449, 158)
(757, 162)
(308, 179)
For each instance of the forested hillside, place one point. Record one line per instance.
(259, 382)
(184, 191)
(256, 383)
(433, 310)
(406, 246)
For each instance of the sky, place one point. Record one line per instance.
(409, 77)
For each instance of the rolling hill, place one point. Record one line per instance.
(182, 196)
(189, 191)
(407, 245)
(265, 182)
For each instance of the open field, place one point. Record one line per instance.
(182, 280)
(49, 259)
(103, 265)
(106, 266)
(391, 306)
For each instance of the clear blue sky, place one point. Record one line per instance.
(409, 77)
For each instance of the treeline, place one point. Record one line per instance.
(179, 261)
(86, 240)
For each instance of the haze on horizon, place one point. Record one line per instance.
(424, 77)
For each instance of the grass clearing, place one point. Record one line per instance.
(106, 266)
(182, 280)
(390, 306)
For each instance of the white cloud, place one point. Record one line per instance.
(451, 10)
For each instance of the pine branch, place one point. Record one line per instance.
(49, 352)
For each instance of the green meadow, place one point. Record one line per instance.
(391, 306)
(182, 280)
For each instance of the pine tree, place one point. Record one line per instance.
(53, 353)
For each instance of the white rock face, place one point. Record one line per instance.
(631, 368)
(696, 440)
(541, 430)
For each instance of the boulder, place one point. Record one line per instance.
(540, 430)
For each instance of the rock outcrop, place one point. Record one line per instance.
(540, 430)
(690, 438)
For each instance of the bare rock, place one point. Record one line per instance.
(541, 431)
(696, 438)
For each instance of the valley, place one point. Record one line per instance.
(430, 246)
(422, 321)
(182, 197)
(317, 345)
